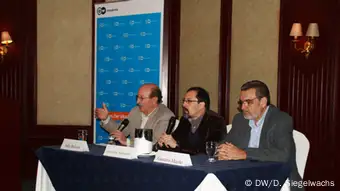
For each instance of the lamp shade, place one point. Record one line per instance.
(5, 38)
(296, 30)
(313, 30)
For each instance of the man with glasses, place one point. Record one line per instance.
(149, 113)
(197, 126)
(260, 131)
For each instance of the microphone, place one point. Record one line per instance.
(123, 125)
(169, 129)
(171, 125)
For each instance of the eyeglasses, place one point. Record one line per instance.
(188, 101)
(141, 97)
(247, 101)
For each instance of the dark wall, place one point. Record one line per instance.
(18, 76)
(309, 88)
(18, 84)
(10, 144)
(224, 60)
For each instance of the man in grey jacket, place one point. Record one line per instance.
(261, 131)
(149, 113)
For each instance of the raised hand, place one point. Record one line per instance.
(102, 113)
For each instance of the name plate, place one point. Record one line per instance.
(75, 145)
(173, 158)
(120, 152)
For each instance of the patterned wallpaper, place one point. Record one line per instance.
(64, 62)
(254, 46)
(199, 47)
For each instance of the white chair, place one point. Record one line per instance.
(228, 128)
(302, 149)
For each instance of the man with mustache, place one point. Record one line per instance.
(197, 126)
(261, 131)
(149, 113)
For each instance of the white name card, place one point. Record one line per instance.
(173, 158)
(120, 152)
(75, 145)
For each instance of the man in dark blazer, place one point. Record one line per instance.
(261, 131)
(198, 125)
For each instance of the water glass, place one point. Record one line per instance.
(111, 140)
(211, 148)
(82, 134)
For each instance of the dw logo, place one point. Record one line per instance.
(101, 10)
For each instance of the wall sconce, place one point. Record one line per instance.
(309, 44)
(5, 40)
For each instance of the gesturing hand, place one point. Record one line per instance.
(102, 113)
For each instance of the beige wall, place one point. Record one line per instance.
(64, 53)
(64, 62)
(254, 47)
(199, 47)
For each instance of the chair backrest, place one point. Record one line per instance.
(302, 149)
(228, 128)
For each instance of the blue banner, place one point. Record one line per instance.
(128, 55)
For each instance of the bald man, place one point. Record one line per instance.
(149, 113)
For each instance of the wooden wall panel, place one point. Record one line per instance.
(18, 77)
(16, 85)
(47, 135)
(172, 17)
(10, 143)
(224, 65)
(308, 89)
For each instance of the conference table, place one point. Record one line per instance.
(71, 170)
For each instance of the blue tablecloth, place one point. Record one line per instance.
(91, 171)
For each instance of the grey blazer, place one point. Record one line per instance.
(158, 122)
(276, 140)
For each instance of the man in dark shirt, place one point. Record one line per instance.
(197, 126)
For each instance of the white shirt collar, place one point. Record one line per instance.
(145, 118)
